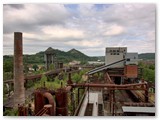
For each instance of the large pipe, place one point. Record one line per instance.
(19, 90)
(106, 85)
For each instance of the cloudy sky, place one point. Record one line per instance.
(86, 27)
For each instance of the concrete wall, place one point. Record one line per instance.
(114, 54)
(133, 58)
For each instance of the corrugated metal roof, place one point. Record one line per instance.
(138, 109)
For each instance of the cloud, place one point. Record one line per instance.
(33, 16)
(114, 30)
(87, 27)
(85, 43)
(15, 6)
(61, 32)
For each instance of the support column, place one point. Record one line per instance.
(113, 102)
(146, 93)
(110, 101)
(19, 90)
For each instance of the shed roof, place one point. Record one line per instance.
(138, 109)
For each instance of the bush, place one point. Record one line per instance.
(12, 112)
(149, 74)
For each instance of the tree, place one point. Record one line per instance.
(51, 67)
(43, 79)
(8, 66)
(35, 67)
(149, 74)
(152, 66)
(76, 77)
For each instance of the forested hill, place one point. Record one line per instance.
(68, 56)
(147, 56)
(63, 56)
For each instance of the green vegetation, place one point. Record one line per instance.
(11, 112)
(7, 75)
(77, 77)
(56, 83)
(7, 67)
(148, 71)
(47, 82)
(62, 56)
(51, 67)
(35, 67)
(149, 74)
(147, 56)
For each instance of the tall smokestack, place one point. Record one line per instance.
(19, 90)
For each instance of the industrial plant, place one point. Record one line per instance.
(114, 87)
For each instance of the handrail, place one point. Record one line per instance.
(41, 112)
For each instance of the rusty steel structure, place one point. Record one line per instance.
(19, 90)
(61, 98)
(22, 110)
(111, 87)
(42, 98)
(52, 73)
(45, 104)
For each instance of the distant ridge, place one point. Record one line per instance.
(69, 56)
(146, 56)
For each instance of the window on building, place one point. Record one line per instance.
(117, 53)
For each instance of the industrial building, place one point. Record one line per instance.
(114, 54)
(50, 57)
(113, 89)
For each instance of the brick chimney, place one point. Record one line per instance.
(19, 90)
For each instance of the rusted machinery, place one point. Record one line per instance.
(45, 102)
(61, 102)
(112, 87)
(22, 110)
(42, 98)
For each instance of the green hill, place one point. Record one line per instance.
(62, 56)
(68, 56)
(147, 56)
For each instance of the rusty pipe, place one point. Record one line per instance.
(105, 85)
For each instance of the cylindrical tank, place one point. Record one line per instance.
(39, 101)
(61, 98)
(22, 110)
(61, 102)
(61, 111)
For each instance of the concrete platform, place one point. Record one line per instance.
(95, 98)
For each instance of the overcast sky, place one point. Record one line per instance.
(89, 28)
